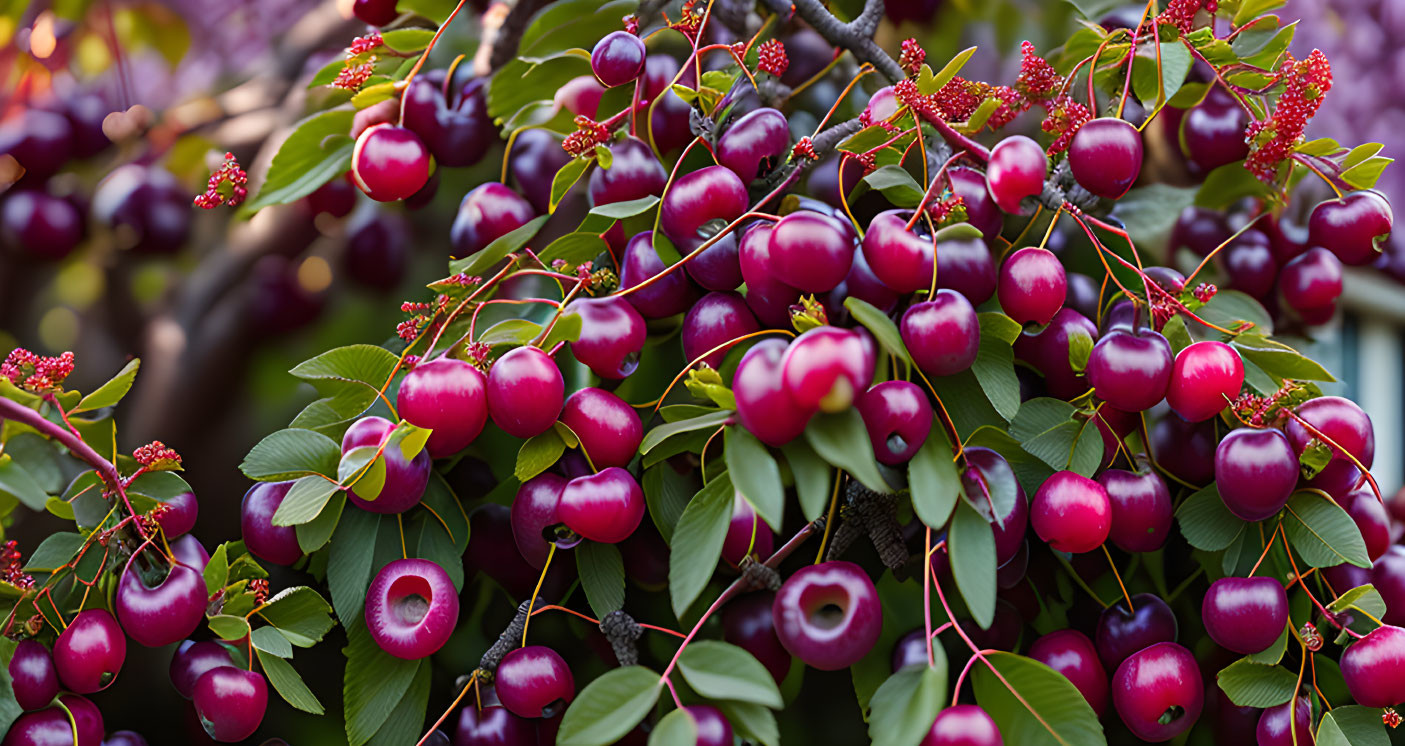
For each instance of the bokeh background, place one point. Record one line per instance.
(221, 309)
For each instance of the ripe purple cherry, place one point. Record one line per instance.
(1106, 156)
(1374, 668)
(447, 396)
(981, 211)
(167, 613)
(1245, 615)
(1250, 264)
(612, 334)
(1387, 574)
(985, 470)
(711, 725)
(127, 738)
(755, 144)
(42, 141)
(230, 702)
(672, 294)
(716, 319)
(1311, 281)
(525, 392)
(189, 551)
(89, 653)
(718, 267)
(1353, 227)
(810, 251)
(1130, 370)
(534, 510)
(767, 296)
(747, 535)
(1047, 350)
(1345, 424)
(827, 367)
(1071, 513)
(32, 674)
(389, 162)
(1203, 376)
(534, 682)
(1016, 170)
(375, 12)
(1121, 633)
(535, 158)
(748, 623)
(1186, 450)
(405, 479)
(898, 417)
(764, 406)
(51, 725)
(1158, 692)
(963, 725)
(605, 507)
(1279, 724)
(148, 205)
(617, 58)
(1212, 132)
(1072, 654)
(698, 200)
(828, 615)
(178, 517)
(487, 213)
(942, 334)
(43, 226)
(1141, 509)
(192, 659)
(1255, 471)
(457, 133)
(411, 608)
(609, 429)
(1371, 519)
(1199, 229)
(494, 725)
(1032, 285)
(900, 258)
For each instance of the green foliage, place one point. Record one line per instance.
(1249, 684)
(907, 703)
(609, 707)
(317, 150)
(1052, 710)
(697, 541)
(602, 576)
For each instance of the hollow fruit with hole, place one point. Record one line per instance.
(1032, 285)
(1122, 632)
(1141, 508)
(764, 406)
(1255, 471)
(1016, 170)
(617, 58)
(605, 507)
(827, 367)
(943, 334)
(447, 396)
(1374, 667)
(828, 615)
(411, 608)
(1071, 513)
(898, 418)
(405, 478)
(963, 725)
(231, 703)
(525, 392)
(1204, 377)
(1106, 156)
(389, 162)
(1158, 692)
(32, 675)
(1072, 654)
(192, 659)
(89, 653)
(1245, 615)
(533, 682)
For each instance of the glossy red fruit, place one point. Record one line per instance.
(1186, 450)
(1312, 280)
(963, 725)
(487, 213)
(1141, 509)
(1130, 370)
(231, 703)
(942, 334)
(634, 173)
(1346, 425)
(764, 406)
(192, 659)
(580, 96)
(525, 392)
(457, 132)
(1198, 229)
(827, 367)
(747, 534)
(1371, 519)
(1072, 654)
(709, 197)
(755, 144)
(981, 211)
(612, 335)
(1158, 692)
(375, 12)
(166, 613)
(493, 725)
(605, 507)
(898, 418)
(828, 615)
(1032, 285)
(1250, 264)
(748, 623)
(534, 682)
(1286, 724)
(534, 510)
(1071, 513)
(447, 396)
(32, 675)
(51, 726)
(1256, 472)
(669, 295)
(1047, 350)
(1203, 376)
(810, 251)
(1353, 227)
(617, 58)
(609, 429)
(1387, 574)
(389, 163)
(89, 653)
(1245, 615)
(1212, 132)
(148, 207)
(1106, 156)
(405, 478)
(1121, 633)
(1016, 170)
(411, 608)
(1374, 667)
(714, 321)
(42, 141)
(43, 226)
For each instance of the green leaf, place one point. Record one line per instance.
(481, 261)
(572, 23)
(271, 641)
(304, 501)
(897, 185)
(288, 683)
(374, 685)
(363, 364)
(1175, 63)
(1365, 174)
(364, 468)
(426, 539)
(948, 71)
(1322, 533)
(752, 722)
(1279, 360)
(677, 728)
(292, 453)
(719, 670)
(17, 482)
(626, 209)
(216, 572)
(812, 478)
(1251, 9)
(663, 432)
(971, 545)
(842, 440)
(1048, 430)
(755, 474)
(1231, 307)
(349, 562)
(1364, 598)
(1352, 725)
(229, 627)
(1149, 212)
(300, 613)
(667, 493)
(510, 332)
(907, 703)
(406, 721)
(566, 178)
(407, 40)
(1320, 147)
(318, 150)
(602, 576)
(440, 500)
(1070, 720)
(1361, 153)
(609, 707)
(574, 248)
(1092, 10)
(994, 367)
(866, 139)
(1271, 655)
(1205, 521)
(315, 534)
(1248, 684)
(883, 328)
(9, 708)
(933, 479)
(55, 551)
(697, 541)
(538, 454)
(1228, 184)
(110, 393)
(435, 10)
